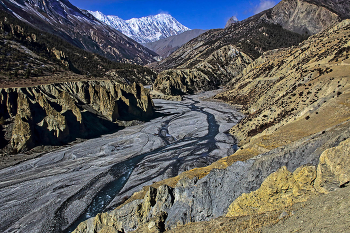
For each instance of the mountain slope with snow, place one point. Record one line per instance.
(78, 27)
(146, 29)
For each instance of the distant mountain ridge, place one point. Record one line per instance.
(145, 29)
(78, 27)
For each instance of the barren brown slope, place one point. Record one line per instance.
(299, 16)
(215, 57)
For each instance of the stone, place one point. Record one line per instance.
(333, 170)
(279, 190)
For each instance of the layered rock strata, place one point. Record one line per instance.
(58, 113)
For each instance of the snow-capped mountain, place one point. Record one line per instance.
(145, 29)
(79, 28)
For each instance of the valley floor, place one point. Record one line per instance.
(49, 193)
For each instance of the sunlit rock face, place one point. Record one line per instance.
(58, 113)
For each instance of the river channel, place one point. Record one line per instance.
(57, 191)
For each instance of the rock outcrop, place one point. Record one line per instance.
(283, 188)
(306, 17)
(231, 20)
(58, 113)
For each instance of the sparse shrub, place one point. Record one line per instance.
(2, 120)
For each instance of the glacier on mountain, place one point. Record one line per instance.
(146, 29)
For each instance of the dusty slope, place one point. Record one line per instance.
(293, 93)
(209, 61)
(314, 134)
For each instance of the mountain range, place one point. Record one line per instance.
(78, 27)
(217, 56)
(145, 29)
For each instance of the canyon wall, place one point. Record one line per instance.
(58, 113)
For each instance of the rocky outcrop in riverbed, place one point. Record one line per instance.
(294, 144)
(58, 113)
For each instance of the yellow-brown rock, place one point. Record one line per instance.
(55, 114)
(333, 170)
(281, 189)
(22, 132)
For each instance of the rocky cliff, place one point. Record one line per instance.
(59, 113)
(307, 17)
(294, 145)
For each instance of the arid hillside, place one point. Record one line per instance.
(294, 148)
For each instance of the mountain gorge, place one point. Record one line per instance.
(146, 29)
(294, 147)
(79, 28)
(240, 129)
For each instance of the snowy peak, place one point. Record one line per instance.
(146, 29)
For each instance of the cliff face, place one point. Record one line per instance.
(58, 113)
(306, 17)
(294, 145)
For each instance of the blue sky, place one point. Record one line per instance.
(201, 14)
